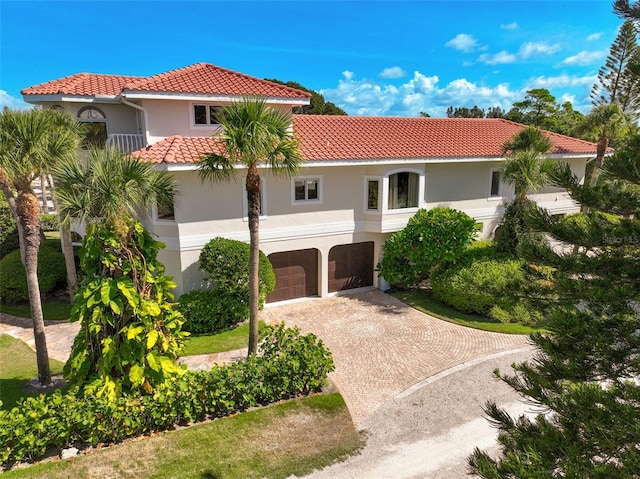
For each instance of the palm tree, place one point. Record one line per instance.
(603, 124)
(525, 167)
(108, 188)
(253, 134)
(28, 141)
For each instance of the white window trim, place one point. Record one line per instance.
(192, 118)
(306, 202)
(263, 199)
(500, 194)
(422, 187)
(367, 179)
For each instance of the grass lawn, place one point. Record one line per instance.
(423, 301)
(236, 338)
(18, 365)
(54, 310)
(294, 437)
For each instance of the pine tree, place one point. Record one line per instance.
(619, 78)
(584, 380)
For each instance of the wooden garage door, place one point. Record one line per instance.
(296, 274)
(350, 266)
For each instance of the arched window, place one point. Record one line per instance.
(404, 189)
(95, 127)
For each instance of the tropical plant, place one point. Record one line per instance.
(584, 376)
(253, 134)
(29, 140)
(130, 335)
(432, 238)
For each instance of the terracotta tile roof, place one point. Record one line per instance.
(204, 78)
(360, 137)
(178, 149)
(84, 84)
(201, 78)
(343, 138)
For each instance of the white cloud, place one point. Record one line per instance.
(392, 72)
(498, 58)
(536, 48)
(509, 26)
(585, 58)
(12, 102)
(561, 81)
(419, 93)
(594, 36)
(463, 42)
(347, 74)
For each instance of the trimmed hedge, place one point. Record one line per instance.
(9, 240)
(289, 365)
(485, 283)
(13, 279)
(210, 312)
(49, 222)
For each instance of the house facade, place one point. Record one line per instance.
(323, 230)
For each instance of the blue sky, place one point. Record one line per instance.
(369, 57)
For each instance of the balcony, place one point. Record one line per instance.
(125, 142)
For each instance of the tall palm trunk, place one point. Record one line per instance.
(28, 216)
(253, 206)
(43, 189)
(67, 251)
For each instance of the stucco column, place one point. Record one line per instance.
(323, 272)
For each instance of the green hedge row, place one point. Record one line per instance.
(289, 364)
(212, 311)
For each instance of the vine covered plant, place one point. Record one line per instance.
(130, 335)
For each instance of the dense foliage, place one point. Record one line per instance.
(432, 238)
(317, 106)
(487, 283)
(13, 279)
(226, 263)
(585, 374)
(288, 365)
(130, 334)
(9, 240)
(212, 311)
(49, 222)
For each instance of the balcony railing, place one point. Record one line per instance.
(125, 142)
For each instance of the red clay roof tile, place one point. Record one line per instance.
(345, 138)
(84, 84)
(201, 78)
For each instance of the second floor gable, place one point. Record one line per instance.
(131, 112)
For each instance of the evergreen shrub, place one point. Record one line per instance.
(288, 364)
(210, 312)
(9, 240)
(49, 222)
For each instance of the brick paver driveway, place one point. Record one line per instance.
(382, 347)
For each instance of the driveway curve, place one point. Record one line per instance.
(382, 347)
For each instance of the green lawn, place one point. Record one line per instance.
(18, 365)
(423, 301)
(236, 338)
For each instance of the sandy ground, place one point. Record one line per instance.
(429, 430)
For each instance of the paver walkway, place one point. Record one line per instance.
(382, 347)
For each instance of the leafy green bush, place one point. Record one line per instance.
(9, 240)
(486, 283)
(432, 238)
(512, 228)
(13, 279)
(227, 263)
(49, 222)
(288, 364)
(210, 312)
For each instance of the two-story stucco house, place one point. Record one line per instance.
(323, 231)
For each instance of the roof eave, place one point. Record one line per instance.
(63, 97)
(143, 95)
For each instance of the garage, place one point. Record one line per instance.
(296, 274)
(351, 266)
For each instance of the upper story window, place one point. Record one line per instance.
(373, 194)
(404, 190)
(95, 126)
(207, 114)
(306, 189)
(495, 189)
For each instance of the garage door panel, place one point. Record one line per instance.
(350, 266)
(296, 274)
